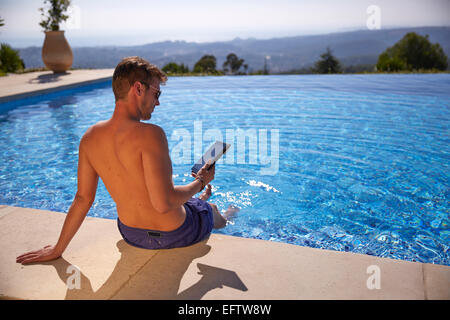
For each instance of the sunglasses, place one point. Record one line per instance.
(158, 92)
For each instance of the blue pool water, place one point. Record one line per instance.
(363, 159)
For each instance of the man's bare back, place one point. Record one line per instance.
(114, 149)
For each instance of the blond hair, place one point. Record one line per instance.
(132, 69)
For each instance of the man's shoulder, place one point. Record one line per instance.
(153, 137)
(90, 135)
(152, 130)
(92, 129)
(96, 125)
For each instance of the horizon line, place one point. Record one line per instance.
(245, 39)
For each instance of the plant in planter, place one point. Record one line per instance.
(56, 52)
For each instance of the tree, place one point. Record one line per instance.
(413, 52)
(207, 64)
(233, 64)
(54, 15)
(172, 67)
(9, 59)
(2, 22)
(266, 68)
(327, 63)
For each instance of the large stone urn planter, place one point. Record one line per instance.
(56, 52)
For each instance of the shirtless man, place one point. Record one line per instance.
(132, 158)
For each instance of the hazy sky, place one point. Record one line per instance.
(129, 22)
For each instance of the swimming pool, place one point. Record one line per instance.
(362, 159)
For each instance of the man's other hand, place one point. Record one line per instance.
(45, 254)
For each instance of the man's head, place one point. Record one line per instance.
(137, 78)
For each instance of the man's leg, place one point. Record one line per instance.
(220, 220)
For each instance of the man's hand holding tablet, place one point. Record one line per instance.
(204, 168)
(205, 174)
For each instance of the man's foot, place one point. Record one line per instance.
(231, 211)
(207, 193)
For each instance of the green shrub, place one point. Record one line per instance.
(173, 68)
(413, 52)
(9, 59)
(388, 62)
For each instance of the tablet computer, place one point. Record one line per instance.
(213, 154)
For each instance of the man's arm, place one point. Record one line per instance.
(85, 196)
(87, 187)
(158, 174)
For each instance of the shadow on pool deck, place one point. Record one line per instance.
(220, 267)
(161, 265)
(49, 77)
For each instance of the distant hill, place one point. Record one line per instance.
(351, 48)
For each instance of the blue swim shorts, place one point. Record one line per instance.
(197, 226)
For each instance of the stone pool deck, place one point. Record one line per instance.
(16, 86)
(221, 267)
